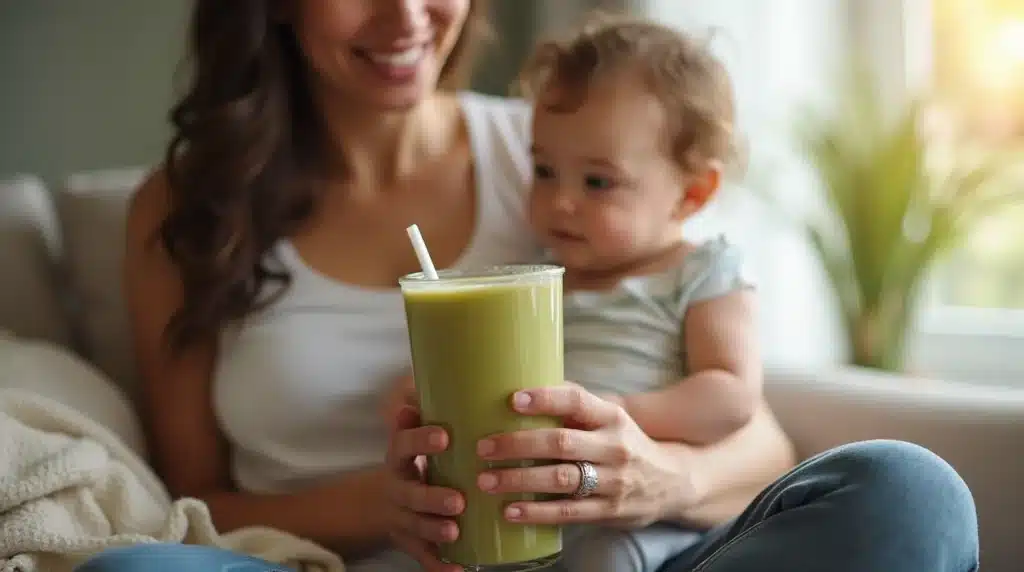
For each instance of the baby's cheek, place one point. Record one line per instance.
(621, 233)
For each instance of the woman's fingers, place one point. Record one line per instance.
(562, 478)
(426, 499)
(591, 509)
(433, 529)
(406, 418)
(407, 444)
(570, 402)
(420, 509)
(561, 444)
(405, 457)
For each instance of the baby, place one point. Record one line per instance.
(632, 125)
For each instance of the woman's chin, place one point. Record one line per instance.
(391, 99)
(386, 88)
(401, 100)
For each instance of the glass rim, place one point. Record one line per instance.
(497, 274)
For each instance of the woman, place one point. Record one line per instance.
(268, 326)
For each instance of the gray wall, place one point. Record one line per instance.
(514, 23)
(85, 83)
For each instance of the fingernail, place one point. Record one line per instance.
(450, 532)
(487, 481)
(513, 512)
(485, 447)
(436, 439)
(522, 400)
(451, 504)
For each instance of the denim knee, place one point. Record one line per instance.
(916, 474)
(913, 494)
(874, 506)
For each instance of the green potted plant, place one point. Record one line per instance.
(893, 206)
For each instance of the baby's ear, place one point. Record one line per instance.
(699, 190)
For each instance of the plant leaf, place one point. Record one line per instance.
(838, 268)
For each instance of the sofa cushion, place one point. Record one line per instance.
(30, 303)
(977, 429)
(92, 207)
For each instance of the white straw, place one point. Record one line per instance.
(421, 252)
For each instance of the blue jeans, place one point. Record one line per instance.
(874, 506)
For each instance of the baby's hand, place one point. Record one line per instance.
(401, 394)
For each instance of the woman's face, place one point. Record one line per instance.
(383, 54)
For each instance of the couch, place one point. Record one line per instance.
(60, 258)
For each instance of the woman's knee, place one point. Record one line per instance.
(172, 558)
(898, 469)
(908, 488)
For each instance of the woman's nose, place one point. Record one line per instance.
(406, 16)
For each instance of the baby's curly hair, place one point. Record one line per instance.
(691, 83)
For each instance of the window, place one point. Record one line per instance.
(969, 55)
(978, 80)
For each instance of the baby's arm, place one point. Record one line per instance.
(720, 342)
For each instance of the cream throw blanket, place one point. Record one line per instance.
(70, 489)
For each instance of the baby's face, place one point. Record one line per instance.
(606, 191)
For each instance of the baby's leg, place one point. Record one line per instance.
(601, 549)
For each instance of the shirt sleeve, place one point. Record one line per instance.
(716, 268)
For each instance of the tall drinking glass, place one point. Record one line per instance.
(476, 338)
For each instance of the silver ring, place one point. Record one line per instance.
(588, 480)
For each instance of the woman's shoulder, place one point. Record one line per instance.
(505, 112)
(148, 205)
(500, 132)
(501, 123)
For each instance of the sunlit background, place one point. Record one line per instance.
(979, 79)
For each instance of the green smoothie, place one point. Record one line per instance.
(477, 338)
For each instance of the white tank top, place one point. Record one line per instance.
(298, 386)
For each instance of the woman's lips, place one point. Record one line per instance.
(395, 66)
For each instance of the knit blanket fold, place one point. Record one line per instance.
(70, 489)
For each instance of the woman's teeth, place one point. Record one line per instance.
(398, 59)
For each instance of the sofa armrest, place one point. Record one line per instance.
(56, 373)
(978, 429)
(30, 301)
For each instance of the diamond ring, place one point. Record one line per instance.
(588, 480)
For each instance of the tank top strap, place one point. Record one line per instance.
(499, 133)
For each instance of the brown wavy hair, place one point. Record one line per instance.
(245, 157)
(680, 70)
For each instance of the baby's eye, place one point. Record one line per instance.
(598, 183)
(543, 172)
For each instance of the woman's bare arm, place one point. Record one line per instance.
(188, 449)
(727, 475)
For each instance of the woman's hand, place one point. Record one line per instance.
(401, 395)
(419, 516)
(638, 483)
